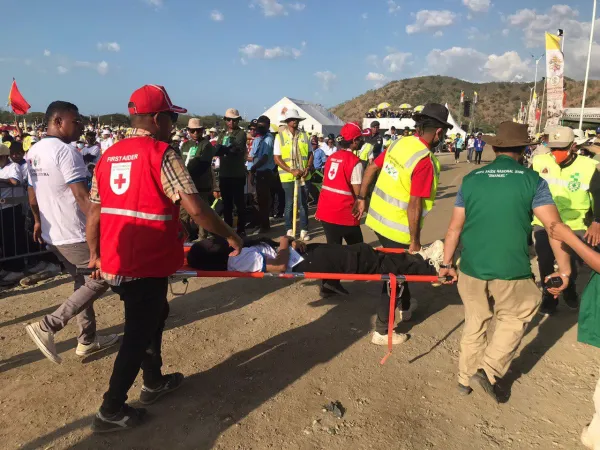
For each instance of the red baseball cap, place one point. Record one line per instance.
(152, 98)
(351, 131)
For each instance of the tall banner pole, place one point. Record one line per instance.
(555, 69)
(587, 70)
(542, 105)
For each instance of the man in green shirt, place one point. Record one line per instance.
(197, 154)
(231, 148)
(492, 218)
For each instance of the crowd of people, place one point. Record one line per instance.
(390, 114)
(100, 197)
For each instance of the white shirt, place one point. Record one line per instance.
(8, 172)
(471, 143)
(106, 143)
(52, 166)
(94, 150)
(329, 150)
(254, 259)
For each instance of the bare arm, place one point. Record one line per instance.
(279, 264)
(548, 215)
(563, 233)
(92, 232)
(457, 222)
(10, 181)
(368, 178)
(205, 217)
(82, 196)
(35, 211)
(415, 211)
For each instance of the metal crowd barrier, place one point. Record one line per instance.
(16, 225)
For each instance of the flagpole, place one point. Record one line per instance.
(587, 70)
(542, 107)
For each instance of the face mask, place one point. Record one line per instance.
(80, 145)
(560, 155)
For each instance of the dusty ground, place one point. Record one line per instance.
(262, 358)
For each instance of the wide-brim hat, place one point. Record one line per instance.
(4, 150)
(510, 134)
(232, 113)
(292, 114)
(435, 111)
(194, 123)
(212, 130)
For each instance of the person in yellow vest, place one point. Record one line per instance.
(365, 154)
(403, 195)
(294, 159)
(575, 186)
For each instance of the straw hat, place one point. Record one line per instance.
(232, 113)
(194, 123)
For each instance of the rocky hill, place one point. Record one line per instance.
(498, 101)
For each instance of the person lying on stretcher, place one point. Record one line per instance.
(265, 255)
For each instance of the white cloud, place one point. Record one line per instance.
(426, 20)
(101, 67)
(393, 7)
(254, 51)
(364, 16)
(273, 8)
(379, 79)
(473, 65)
(478, 5)
(217, 16)
(297, 6)
(154, 3)
(62, 70)
(47, 52)
(109, 46)
(327, 78)
(533, 25)
(395, 62)
(505, 32)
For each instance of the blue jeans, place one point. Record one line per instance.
(288, 187)
(470, 153)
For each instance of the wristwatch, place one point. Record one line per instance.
(446, 266)
(359, 197)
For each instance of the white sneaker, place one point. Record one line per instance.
(11, 278)
(405, 316)
(304, 236)
(100, 343)
(44, 341)
(434, 253)
(290, 233)
(382, 339)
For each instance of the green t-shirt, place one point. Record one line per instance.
(498, 202)
(588, 330)
(233, 163)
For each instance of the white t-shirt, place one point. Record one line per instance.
(106, 143)
(8, 172)
(471, 143)
(254, 259)
(329, 150)
(94, 150)
(52, 165)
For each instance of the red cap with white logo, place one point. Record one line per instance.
(150, 99)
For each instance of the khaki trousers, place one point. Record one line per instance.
(514, 306)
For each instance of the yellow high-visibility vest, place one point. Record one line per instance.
(364, 152)
(388, 211)
(569, 187)
(286, 140)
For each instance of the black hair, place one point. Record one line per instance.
(517, 150)
(393, 128)
(8, 138)
(16, 146)
(59, 107)
(213, 253)
(429, 124)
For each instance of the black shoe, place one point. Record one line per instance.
(171, 383)
(464, 390)
(125, 419)
(548, 306)
(481, 381)
(571, 300)
(334, 286)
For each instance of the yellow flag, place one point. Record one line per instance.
(552, 42)
(534, 95)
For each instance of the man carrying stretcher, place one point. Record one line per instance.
(291, 255)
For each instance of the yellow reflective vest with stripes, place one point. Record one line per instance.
(286, 143)
(388, 211)
(569, 187)
(364, 152)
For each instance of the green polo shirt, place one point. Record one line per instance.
(499, 199)
(233, 163)
(198, 157)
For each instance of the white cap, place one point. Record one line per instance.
(213, 130)
(292, 114)
(105, 132)
(580, 137)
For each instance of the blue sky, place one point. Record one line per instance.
(247, 54)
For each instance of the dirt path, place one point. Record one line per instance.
(262, 358)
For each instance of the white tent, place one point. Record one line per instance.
(318, 118)
(455, 127)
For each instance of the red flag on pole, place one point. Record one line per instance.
(16, 101)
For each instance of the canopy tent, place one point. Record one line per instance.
(455, 126)
(317, 118)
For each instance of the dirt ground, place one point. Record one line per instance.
(262, 358)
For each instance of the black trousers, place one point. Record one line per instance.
(146, 310)
(277, 196)
(383, 306)
(13, 237)
(264, 181)
(336, 233)
(546, 265)
(457, 153)
(232, 192)
(478, 157)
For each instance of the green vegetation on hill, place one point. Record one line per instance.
(498, 101)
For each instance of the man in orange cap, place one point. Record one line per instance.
(138, 186)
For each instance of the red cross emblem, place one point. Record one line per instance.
(120, 181)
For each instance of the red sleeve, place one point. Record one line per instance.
(379, 160)
(422, 179)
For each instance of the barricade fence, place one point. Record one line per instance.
(16, 228)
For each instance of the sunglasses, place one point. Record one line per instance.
(172, 115)
(194, 130)
(231, 120)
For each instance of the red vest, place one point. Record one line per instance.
(337, 198)
(139, 225)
